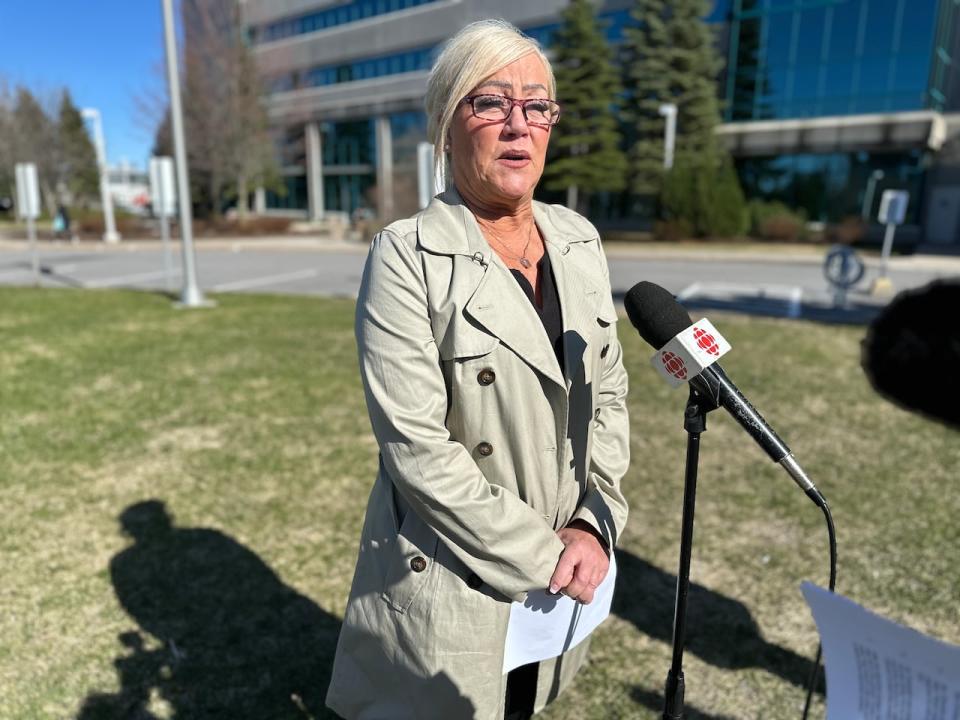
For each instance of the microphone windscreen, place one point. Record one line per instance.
(656, 315)
(911, 354)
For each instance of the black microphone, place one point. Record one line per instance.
(658, 317)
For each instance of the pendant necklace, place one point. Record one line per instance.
(522, 259)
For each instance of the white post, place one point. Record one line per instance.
(191, 295)
(669, 111)
(887, 246)
(314, 147)
(384, 137)
(110, 234)
(164, 204)
(28, 208)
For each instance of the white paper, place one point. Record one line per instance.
(545, 626)
(877, 669)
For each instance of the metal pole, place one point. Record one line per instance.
(165, 237)
(887, 246)
(110, 233)
(191, 295)
(34, 255)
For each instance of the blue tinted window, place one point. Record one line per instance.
(843, 29)
(810, 36)
(777, 37)
(328, 17)
(879, 28)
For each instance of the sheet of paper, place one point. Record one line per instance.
(877, 669)
(545, 625)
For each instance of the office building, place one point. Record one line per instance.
(826, 102)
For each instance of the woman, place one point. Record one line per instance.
(493, 378)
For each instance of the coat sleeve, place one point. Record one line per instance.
(604, 505)
(491, 530)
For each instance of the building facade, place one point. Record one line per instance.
(826, 102)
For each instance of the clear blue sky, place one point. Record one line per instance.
(106, 52)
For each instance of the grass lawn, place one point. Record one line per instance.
(183, 492)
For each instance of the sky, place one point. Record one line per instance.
(106, 52)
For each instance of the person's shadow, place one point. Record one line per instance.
(720, 630)
(234, 640)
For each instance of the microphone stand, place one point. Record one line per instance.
(695, 423)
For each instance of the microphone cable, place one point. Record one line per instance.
(832, 533)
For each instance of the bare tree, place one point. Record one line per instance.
(226, 121)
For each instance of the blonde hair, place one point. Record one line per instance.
(475, 53)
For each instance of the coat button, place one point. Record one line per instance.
(418, 564)
(485, 449)
(474, 582)
(486, 376)
(603, 353)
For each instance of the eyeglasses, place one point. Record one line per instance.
(536, 111)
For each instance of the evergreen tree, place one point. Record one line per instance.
(585, 154)
(672, 59)
(34, 140)
(649, 85)
(77, 170)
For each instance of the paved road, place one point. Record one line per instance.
(791, 285)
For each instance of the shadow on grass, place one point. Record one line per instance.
(720, 630)
(236, 641)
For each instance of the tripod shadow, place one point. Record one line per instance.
(720, 630)
(236, 642)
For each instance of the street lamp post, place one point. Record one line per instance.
(191, 295)
(110, 233)
(669, 112)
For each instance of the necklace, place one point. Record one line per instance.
(522, 259)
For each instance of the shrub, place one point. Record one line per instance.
(774, 220)
(672, 230)
(705, 192)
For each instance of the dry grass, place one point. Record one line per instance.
(246, 426)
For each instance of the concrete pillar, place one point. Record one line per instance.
(384, 168)
(259, 200)
(314, 171)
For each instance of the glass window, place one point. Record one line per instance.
(843, 29)
(777, 37)
(879, 28)
(911, 72)
(916, 29)
(810, 37)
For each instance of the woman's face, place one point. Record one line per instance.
(498, 163)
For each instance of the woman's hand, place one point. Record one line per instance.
(583, 563)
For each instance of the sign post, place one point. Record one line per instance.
(164, 200)
(893, 211)
(28, 208)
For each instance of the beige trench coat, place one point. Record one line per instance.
(487, 448)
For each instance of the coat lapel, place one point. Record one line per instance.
(498, 303)
(580, 293)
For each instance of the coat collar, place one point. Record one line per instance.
(448, 227)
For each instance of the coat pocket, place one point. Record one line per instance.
(414, 556)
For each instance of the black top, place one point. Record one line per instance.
(550, 312)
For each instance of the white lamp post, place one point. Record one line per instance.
(669, 111)
(110, 233)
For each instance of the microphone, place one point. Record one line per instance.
(660, 319)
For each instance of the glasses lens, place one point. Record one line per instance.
(541, 111)
(491, 107)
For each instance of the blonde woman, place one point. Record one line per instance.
(493, 377)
